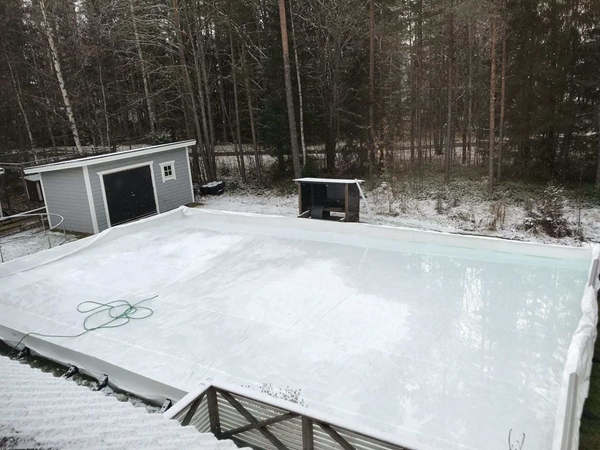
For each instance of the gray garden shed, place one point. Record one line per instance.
(98, 192)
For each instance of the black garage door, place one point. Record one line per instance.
(129, 194)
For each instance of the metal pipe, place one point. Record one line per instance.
(570, 413)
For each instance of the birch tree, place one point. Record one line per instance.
(59, 74)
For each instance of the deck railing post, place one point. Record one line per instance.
(192, 411)
(308, 442)
(213, 412)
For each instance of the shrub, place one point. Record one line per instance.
(498, 211)
(546, 213)
(311, 168)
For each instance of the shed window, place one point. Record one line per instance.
(167, 169)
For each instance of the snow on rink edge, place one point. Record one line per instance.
(432, 433)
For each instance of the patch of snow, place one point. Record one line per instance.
(469, 216)
(29, 242)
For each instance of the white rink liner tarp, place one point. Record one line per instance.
(433, 341)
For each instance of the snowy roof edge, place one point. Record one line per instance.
(98, 159)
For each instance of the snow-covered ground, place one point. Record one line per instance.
(466, 216)
(29, 242)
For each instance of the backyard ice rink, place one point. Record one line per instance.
(438, 346)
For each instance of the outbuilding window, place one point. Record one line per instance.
(167, 169)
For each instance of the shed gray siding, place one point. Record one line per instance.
(171, 194)
(65, 194)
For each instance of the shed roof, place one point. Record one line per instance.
(99, 159)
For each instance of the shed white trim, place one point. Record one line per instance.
(101, 159)
(187, 158)
(122, 169)
(32, 177)
(90, 197)
(44, 196)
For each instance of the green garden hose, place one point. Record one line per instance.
(115, 319)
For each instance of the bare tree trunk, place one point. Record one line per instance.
(17, 87)
(211, 123)
(59, 75)
(238, 131)
(371, 84)
(188, 95)
(210, 169)
(300, 96)
(105, 109)
(492, 107)
(412, 97)
(470, 94)
(289, 95)
(449, 136)
(598, 153)
(124, 119)
(419, 92)
(145, 80)
(502, 102)
(44, 94)
(257, 159)
(224, 114)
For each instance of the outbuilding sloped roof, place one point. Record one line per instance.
(100, 159)
(40, 411)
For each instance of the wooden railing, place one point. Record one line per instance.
(262, 425)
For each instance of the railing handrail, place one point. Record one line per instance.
(302, 411)
(25, 213)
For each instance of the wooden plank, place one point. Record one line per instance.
(262, 423)
(336, 436)
(250, 418)
(213, 412)
(192, 411)
(308, 440)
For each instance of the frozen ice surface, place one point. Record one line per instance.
(443, 347)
